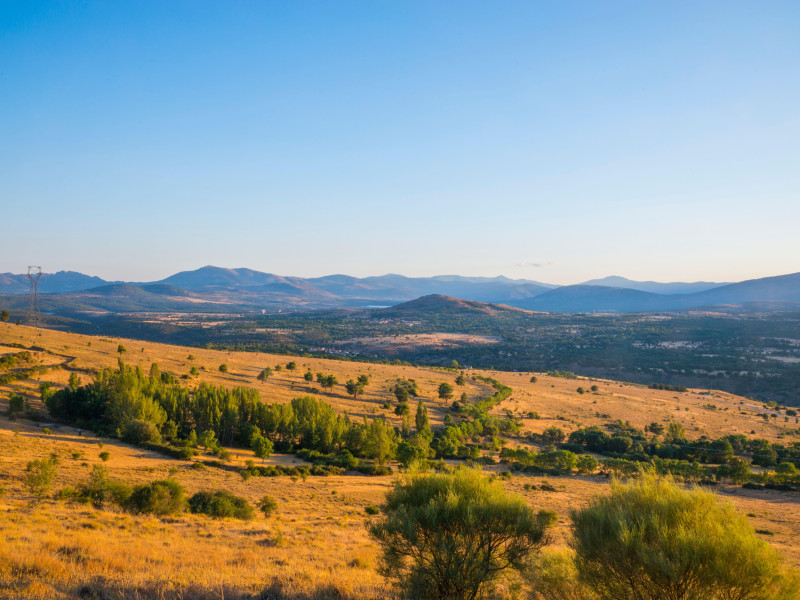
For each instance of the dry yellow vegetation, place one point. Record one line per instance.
(316, 546)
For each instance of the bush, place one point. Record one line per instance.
(651, 540)
(105, 455)
(449, 536)
(372, 510)
(16, 404)
(165, 497)
(220, 504)
(267, 505)
(139, 432)
(100, 490)
(39, 477)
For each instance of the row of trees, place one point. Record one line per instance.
(123, 401)
(632, 443)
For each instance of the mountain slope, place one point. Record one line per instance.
(445, 305)
(655, 287)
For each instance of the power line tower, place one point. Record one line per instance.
(34, 316)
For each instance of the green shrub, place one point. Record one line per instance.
(449, 536)
(651, 539)
(39, 476)
(100, 490)
(267, 505)
(138, 432)
(105, 455)
(221, 504)
(372, 510)
(165, 497)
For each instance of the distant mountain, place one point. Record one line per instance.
(782, 292)
(445, 305)
(615, 281)
(783, 288)
(50, 283)
(246, 289)
(595, 298)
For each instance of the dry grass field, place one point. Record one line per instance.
(316, 545)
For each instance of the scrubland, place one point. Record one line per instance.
(316, 545)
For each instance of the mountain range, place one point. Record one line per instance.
(218, 289)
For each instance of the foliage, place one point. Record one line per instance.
(267, 505)
(651, 540)
(445, 391)
(39, 477)
(165, 497)
(450, 536)
(100, 490)
(221, 504)
(139, 431)
(16, 404)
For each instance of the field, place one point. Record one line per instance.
(316, 546)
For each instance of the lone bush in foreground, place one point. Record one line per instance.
(221, 504)
(652, 540)
(165, 497)
(450, 536)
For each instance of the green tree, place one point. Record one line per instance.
(326, 381)
(380, 441)
(74, 382)
(264, 374)
(354, 388)
(676, 432)
(421, 419)
(552, 435)
(449, 537)
(5, 316)
(652, 540)
(291, 365)
(401, 393)
(39, 477)
(223, 368)
(262, 447)
(461, 380)
(655, 428)
(445, 391)
(207, 439)
(121, 349)
(16, 404)
(308, 376)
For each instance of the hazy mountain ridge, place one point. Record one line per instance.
(675, 287)
(243, 289)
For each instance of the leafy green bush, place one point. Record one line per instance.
(651, 539)
(100, 490)
(139, 432)
(449, 536)
(165, 497)
(267, 505)
(221, 504)
(39, 476)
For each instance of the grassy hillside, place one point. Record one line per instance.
(316, 546)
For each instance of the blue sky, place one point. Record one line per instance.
(556, 141)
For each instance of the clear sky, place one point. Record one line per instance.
(556, 141)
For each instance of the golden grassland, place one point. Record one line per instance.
(317, 545)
